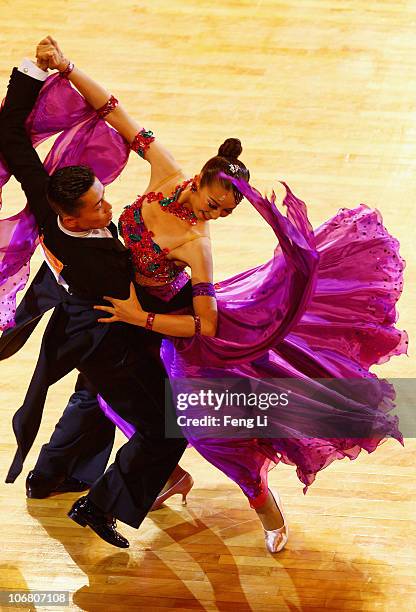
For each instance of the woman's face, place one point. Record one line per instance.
(213, 201)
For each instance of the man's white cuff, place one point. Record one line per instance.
(29, 68)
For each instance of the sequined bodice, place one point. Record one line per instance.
(150, 262)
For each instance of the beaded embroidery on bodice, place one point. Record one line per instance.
(150, 262)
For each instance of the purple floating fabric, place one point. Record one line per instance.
(18, 240)
(127, 428)
(84, 139)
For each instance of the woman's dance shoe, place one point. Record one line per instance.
(277, 538)
(182, 487)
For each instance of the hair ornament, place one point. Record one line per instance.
(233, 169)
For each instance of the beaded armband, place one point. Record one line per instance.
(142, 142)
(197, 320)
(65, 73)
(108, 107)
(203, 289)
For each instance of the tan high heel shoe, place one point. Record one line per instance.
(277, 538)
(181, 487)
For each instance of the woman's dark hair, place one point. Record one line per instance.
(227, 162)
(66, 186)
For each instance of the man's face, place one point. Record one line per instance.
(94, 213)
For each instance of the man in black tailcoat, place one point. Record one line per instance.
(117, 360)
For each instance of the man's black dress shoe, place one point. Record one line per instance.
(39, 486)
(84, 512)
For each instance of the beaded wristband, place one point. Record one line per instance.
(197, 320)
(149, 320)
(65, 73)
(142, 142)
(108, 107)
(203, 289)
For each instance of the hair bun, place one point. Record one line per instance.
(230, 149)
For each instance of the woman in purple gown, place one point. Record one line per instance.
(322, 309)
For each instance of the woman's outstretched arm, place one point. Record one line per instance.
(162, 162)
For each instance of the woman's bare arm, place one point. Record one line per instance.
(162, 162)
(160, 159)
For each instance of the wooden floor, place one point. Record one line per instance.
(322, 94)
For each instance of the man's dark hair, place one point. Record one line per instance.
(66, 186)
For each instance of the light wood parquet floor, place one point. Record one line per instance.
(322, 94)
